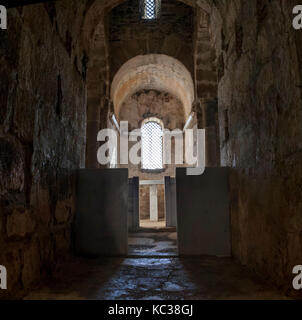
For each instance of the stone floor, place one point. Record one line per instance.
(147, 224)
(153, 243)
(154, 272)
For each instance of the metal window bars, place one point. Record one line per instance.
(150, 9)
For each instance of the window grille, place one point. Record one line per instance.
(150, 9)
(152, 146)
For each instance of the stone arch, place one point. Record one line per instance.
(96, 49)
(158, 72)
(153, 119)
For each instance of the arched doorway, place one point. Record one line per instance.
(152, 93)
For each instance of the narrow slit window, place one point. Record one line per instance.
(150, 9)
(152, 146)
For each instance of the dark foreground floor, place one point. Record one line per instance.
(155, 278)
(154, 272)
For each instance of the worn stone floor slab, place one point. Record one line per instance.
(153, 244)
(147, 224)
(154, 278)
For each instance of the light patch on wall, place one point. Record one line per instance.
(3, 278)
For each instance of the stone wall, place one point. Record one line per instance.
(171, 34)
(260, 115)
(151, 103)
(42, 140)
(206, 82)
(144, 202)
(146, 104)
(43, 115)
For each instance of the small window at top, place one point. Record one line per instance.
(150, 9)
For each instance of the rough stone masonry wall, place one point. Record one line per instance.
(206, 76)
(146, 104)
(259, 95)
(170, 34)
(42, 139)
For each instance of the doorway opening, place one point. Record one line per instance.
(152, 236)
(152, 204)
(153, 93)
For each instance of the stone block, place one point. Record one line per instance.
(63, 209)
(31, 266)
(20, 224)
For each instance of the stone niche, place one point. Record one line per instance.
(148, 104)
(151, 103)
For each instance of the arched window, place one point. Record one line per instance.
(152, 145)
